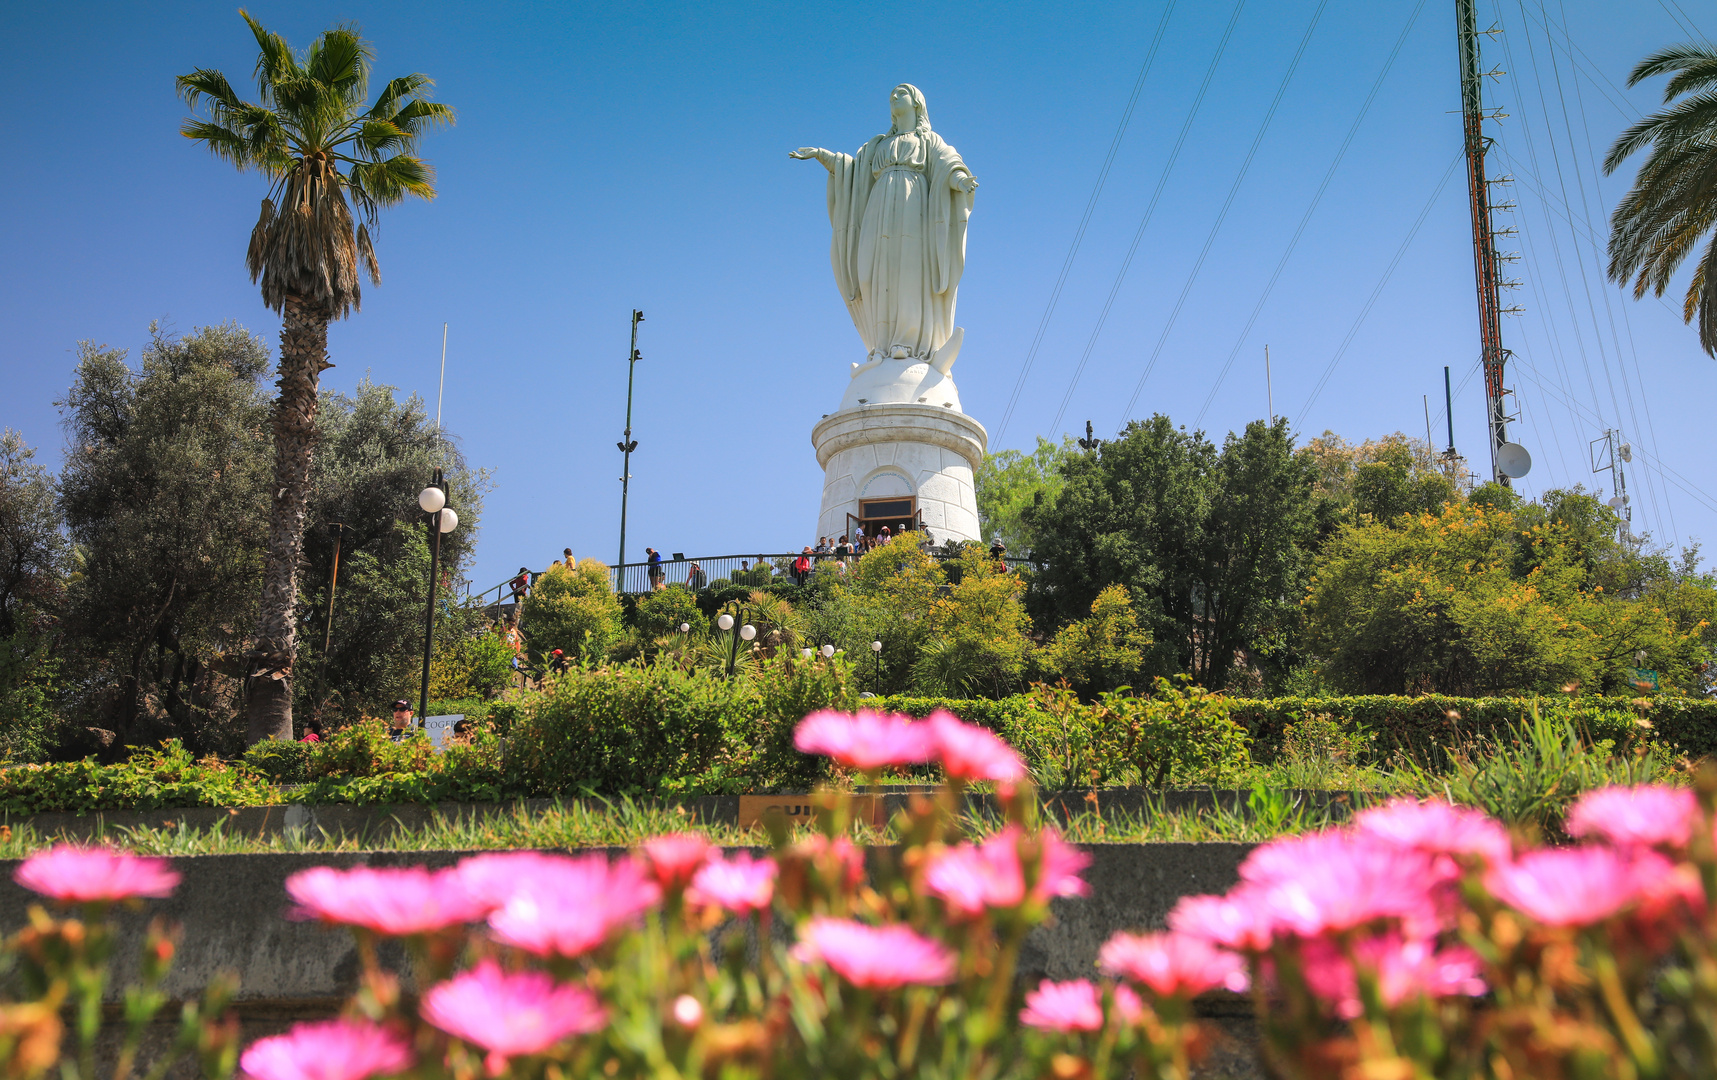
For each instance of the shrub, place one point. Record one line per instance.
(473, 666)
(282, 762)
(1101, 652)
(662, 612)
(150, 779)
(571, 609)
(362, 764)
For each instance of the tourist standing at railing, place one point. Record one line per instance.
(822, 547)
(521, 585)
(802, 567)
(697, 579)
(999, 550)
(654, 561)
(571, 563)
(844, 549)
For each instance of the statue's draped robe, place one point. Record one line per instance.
(899, 242)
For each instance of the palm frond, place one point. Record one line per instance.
(421, 113)
(206, 82)
(1695, 64)
(223, 142)
(404, 88)
(389, 180)
(275, 62)
(259, 240)
(340, 60)
(367, 252)
(1704, 287)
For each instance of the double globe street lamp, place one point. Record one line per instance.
(746, 632)
(432, 500)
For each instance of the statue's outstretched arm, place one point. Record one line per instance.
(961, 180)
(823, 157)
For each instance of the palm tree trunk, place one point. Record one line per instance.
(303, 356)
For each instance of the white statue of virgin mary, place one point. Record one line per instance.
(899, 208)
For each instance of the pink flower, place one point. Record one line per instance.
(511, 1013)
(494, 877)
(740, 884)
(1579, 886)
(675, 857)
(1058, 875)
(875, 957)
(1404, 968)
(572, 905)
(968, 752)
(868, 741)
(1127, 1004)
(972, 878)
(387, 900)
(1646, 816)
(840, 860)
(1435, 827)
(331, 1050)
(1064, 1006)
(1236, 921)
(1311, 885)
(82, 875)
(1172, 964)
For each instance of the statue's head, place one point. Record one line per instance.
(907, 96)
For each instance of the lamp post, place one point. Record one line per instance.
(746, 631)
(876, 649)
(627, 444)
(432, 500)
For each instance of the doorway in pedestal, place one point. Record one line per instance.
(900, 513)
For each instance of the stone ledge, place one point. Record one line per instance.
(890, 423)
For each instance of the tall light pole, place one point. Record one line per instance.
(627, 444)
(442, 519)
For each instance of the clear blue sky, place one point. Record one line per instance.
(613, 156)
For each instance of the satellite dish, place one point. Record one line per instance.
(1513, 461)
(1626, 453)
(1617, 502)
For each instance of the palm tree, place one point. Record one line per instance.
(1673, 203)
(323, 152)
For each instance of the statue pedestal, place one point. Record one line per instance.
(901, 450)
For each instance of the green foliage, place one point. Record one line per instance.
(977, 628)
(499, 715)
(375, 451)
(150, 779)
(166, 496)
(1181, 733)
(571, 609)
(362, 764)
(660, 613)
(1207, 543)
(281, 762)
(476, 665)
(34, 557)
(1101, 652)
(1468, 601)
(658, 729)
(1009, 483)
(1535, 771)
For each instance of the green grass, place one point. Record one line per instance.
(624, 823)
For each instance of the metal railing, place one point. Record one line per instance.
(755, 571)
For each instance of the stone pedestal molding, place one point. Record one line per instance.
(923, 450)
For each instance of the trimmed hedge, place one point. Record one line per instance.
(1416, 725)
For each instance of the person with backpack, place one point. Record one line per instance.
(802, 567)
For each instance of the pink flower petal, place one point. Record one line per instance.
(1645, 816)
(574, 905)
(741, 884)
(1435, 827)
(85, 875)
(511, 1013)
(1172, 964)
(675, 857)
(1064, 1006)
(1579, 886)
(393, 901)
(875, 957)
(331, 1050)
(867, 741)
(969, 752)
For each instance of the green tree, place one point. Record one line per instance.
(376, 451)
(165, 492)
(573, 610)
(1670, 209)
(324, 152)
(976, 631)
(1468, 602)
(33, 564)
(1008, 483)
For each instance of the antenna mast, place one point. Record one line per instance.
(1485, 255)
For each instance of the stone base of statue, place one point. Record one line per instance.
(899, 450)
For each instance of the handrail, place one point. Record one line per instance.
(716, 567)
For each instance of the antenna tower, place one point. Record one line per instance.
(1485, 255)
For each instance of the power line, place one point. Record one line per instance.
(1085, 221)
(1352, 331)
(1150, 209)
(1317, 197)
(1222, 215)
